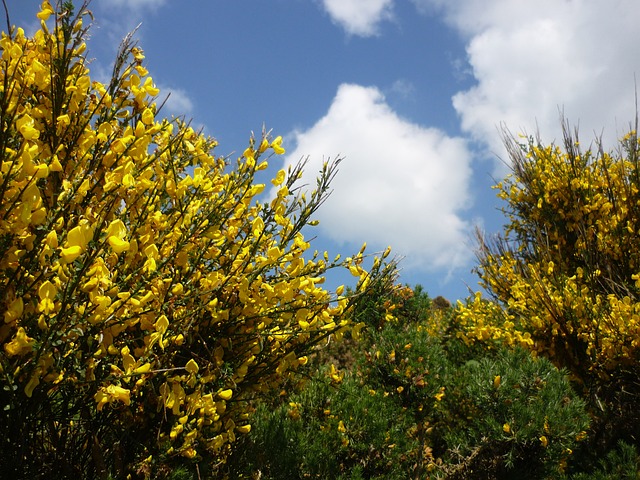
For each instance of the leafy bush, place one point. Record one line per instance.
(620, 463)
(564, 275)
(519, 414)
(419, 405)
(149, 295)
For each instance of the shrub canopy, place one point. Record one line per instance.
(565, 274)
(149, 292)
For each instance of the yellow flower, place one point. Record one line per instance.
(147, 116)
(138, 54)
(52, 239)
(143, 368)
(25, 127)
(192, 366)
(335, 375)
(506, 428)
(47, 293)
(151, 251)
(496, 381)
(150, 88)
(277, 145)
(244, 428)
(544, 441)
(70, 254)
(64, 120)
(45, 11)
(77, 240)
(33, 383)
(280, 176)
(116, 229)
(226, 394)
(110, 394)
(20, 344)
(14, 311)
(118, 245)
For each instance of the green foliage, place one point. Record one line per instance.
(518, 414)
(415, 404)
(620, 463)
(330, 430)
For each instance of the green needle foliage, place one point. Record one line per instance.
(416, 402)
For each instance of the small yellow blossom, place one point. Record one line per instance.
(20, 344)
(70, 254)
(244, 428)
(112, 393)
(226, 394)
(25, 125)
(14, 311)
(118, 245)
(277, 146)
(47, 293)
(335, 375)
(279, 178)
(45, 11)
(192, 366)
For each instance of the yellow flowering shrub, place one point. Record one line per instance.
(564, 275)
(148, 293)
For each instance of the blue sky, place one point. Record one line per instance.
(411, 93)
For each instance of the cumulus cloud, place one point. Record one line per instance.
(359, 17)
(532, 60)
(399, 184)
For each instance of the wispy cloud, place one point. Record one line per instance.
(403, 88)
(118, 18)
(133, 4)
(359, 17)
(176, 101)
(400, 184)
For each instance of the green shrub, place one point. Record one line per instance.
(621, 463)
(417, 402)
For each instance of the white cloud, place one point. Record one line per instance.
(118, 18)
(359, 17)
(177, 101)
(534, 59)
(135, 4)
(400, 184)
(403, 88)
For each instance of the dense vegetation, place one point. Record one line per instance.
(163, 318)
(148, 296)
